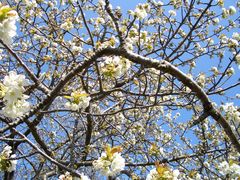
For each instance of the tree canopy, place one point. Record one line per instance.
(91, 90)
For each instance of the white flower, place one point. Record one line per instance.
(12, 91)
(198, 176)
(101, 2)
(110, 163)
(215, 21)
(230, 71)
(172, 13)
(162, 172)
(61, 177)
(231, 112)
(175, 174)
(17, 109)
(67, 176)
(224, 39)
(109, 167)
(201, 79)
(5, 164)
(63, 2)
(129, 43)
(231, 169)
(13, 164)
(215, 70)
(141, 11)
(236, 36)
(232, 43)
(158, 3)
(7, 24)
(232, 10)
(67, 25)
(114, 67)
(118, 163)
(238, 59)
(14, 79)
(225, 13)
(234, 170)
(99, 21)
(220, 2)
(12, 95)
(210, 41)
(14, 86)
(84, 177)
(76, 49)
(153, 174)
(78, 100)
(29, 3)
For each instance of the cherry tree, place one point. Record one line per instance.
(90, 90)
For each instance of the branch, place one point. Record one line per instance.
(29, 72)
(46, 156)
(115, 21)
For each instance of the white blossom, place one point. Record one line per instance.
(231, 112)
(67, 25)
(110, 163)
(68, 176)
(225, 13)
(215, 21)
(16, 109)
(163, 173)
(114, 67)
(11, 90)
(65, 176)
(236, 36)
(201, 79)
(215, 70)
(232, 43)
(141, 11)
(230, 169)
(5, 164)
(230, 71)
(172, 12)
(78, 100)
(84, 177)
(153, 175)
(232, 10)
(7, 24)
(63, 2)
(237, 57)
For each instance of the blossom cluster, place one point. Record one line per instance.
(228, 12)
(114, 67)
(5, 163)
(136, 37)
(142, 10)
(67, 176)
(67, 25)
(12, 91)
(238, 59)
(231, 169)
(8, 18)
(63, 2)
(78, 100)
(111, 162)
(111, 42)
(201, 79)
(162, 171)
(231, 112)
